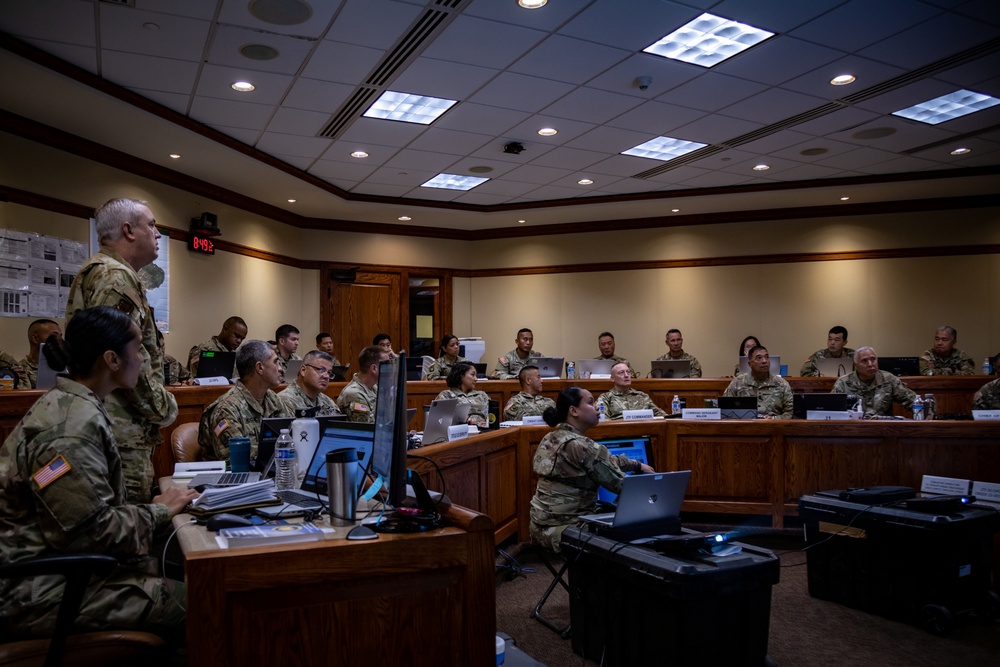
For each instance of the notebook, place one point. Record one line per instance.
(775, 364)
(212, 364)
(653, 500)
(548, 367)
(312, 492)
(670, 368)
(585, 368)
(834, 368)
(738, 407)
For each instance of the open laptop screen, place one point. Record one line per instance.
(638, 449)
(339, 435)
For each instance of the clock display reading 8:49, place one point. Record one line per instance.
(202, 244)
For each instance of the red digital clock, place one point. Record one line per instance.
(202, 244)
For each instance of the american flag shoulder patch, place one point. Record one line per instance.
(359, 407)
(221, 426)
(51, 471)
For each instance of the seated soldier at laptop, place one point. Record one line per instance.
(462, 386)
(834, 349)
(529, 402)
(606, 343)
(237, 413)
(510, 364)
(234, 330)
(675, 341)
(306, 390)
(357, 399)
(774, 396)
(571, 467)
(876, 389)
(623, 397)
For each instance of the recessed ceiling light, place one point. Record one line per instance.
(844, 198)
(664, 148)
(843, 79)
(814, 151)
(454, 182)
(175, 155)
(961, 151)
(292, 201)
(359, 154)
(548, 131)
(675, 210)
(761, 167)
(585, 181)
(947, 107)
(532, 4)
(242, 86)
(404, 218)
(481, 169)
(520, 222)
(708, 40)
(408, 108)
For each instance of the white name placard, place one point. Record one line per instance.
(634, 415)
(458, 431)
(986, 415)
(988, 491)
(827, 415)
(217, 380)
(533, 420)
(701, 413)
(948, 486)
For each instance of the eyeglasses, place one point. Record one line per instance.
(319, 369)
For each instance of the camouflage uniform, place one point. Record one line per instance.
(620, 360)
(695, 364)
(23, 380)
(136, 414)
(570, 468)
(809, 369)
(235, 414)
(284, 362)
(30, 369)
(358, 401)
(441, 367)
(81, 511)
(173, 371)
(988, 396)
(479, 413)
(876, 396)
(509, 365)
(295, 399)
(957, 363)
(774, 396)
(615, 402)
(214, 345)
(525, 405)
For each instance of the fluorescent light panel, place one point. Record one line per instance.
(946, 107)
(408, 108)
(708, 40)
(664, 148)
(454, 182)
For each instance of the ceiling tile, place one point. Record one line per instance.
(524, 93)
(477, 41)
(176, 101)
(527, 131)
(860, 157)
(237, 12)
(774, 15)
(499, 167)
(228, 41)
(901, 164)
(610, 140)
(716, 179)
(451, 142)
(536, 174)
(622, 165)
(592, 106)
(506, 188)
(932, 40)
(138, 71)
(381, 189)
(714, 129)
(745, 168)
(481, 198)
(409, 158)
(243, 115)
(854, 25)
(73, 23)
(979, 75)
(548, 192)
(655, 118)
(439, 78)
(340, 151)
(374, 23)
(568, 158)
(198, 9)
(314, 95)
(350, 171)
(772, 142)
(777, 60)
(394, 176)
(470, 117)
(342, 63)
(817, 82)
(382, 132)
(901, 98)
(298, 122)
(644, 23)
(554, 14)
(84, 57)
(494, 150)
(302, 163)
(832, 148)
(772, 106)
(678, 175)
(627, 186)
(711, 91)
(836, 121)
(249, 137)
(568, 60)
(663, 72)
(174, 37)
(287, 144)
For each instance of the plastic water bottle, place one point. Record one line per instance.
(918, 408)
(987, 367)
(675, 405)
(570, 370)
(930, 407)
(602, 413)
(286, 475)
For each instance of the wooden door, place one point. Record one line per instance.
(361, 309)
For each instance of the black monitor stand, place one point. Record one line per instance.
(413, 519)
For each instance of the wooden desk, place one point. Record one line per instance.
(416, 600)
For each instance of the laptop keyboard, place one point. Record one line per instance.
(235, 478)
(293, 497)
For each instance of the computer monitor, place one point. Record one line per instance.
(803, 403)
(638, 449)
(900, 366)
(213, 363)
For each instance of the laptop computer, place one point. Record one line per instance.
(339, 373)
(46, 378)
(738, 407)
(548, 367)
(648, 505)
(443, 412)
(802, 404)
(480, 371)
(213, 363)
(775, 364)
(834, 368)
(638, 449)
(292, 367)
(586, 368)
(899, 365)
(414, 369)
(670, 368)
(221, 479)
(312, 492)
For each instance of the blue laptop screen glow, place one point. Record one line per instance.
(638, 449)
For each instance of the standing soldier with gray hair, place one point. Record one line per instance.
(128, 236)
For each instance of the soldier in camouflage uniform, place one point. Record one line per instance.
(623, 397)
(22, 377)
(606, 343)
(38, 333)
(774, 396)
(571, 467)
(237, 413)
(234, 331)
(287, 337)
(530, 401)
(675, 341)
(442, 366)
(462, 386)
(306, 391)
(510, 364)
(357, 399)
(834, 349)
(988, 396)
(944, 358)
(876, 389)
(62, 492)
(128, 235)
(324, 343)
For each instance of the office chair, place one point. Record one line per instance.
(184, 443)
(90, 649)
(557, 579)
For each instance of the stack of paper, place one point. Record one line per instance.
(254, 493)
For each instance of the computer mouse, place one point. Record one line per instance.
(220, 521)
